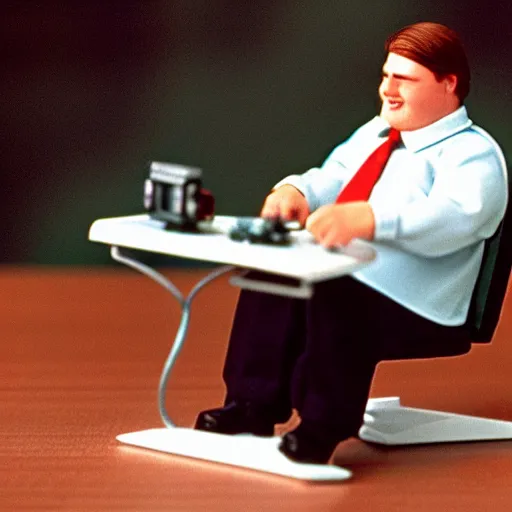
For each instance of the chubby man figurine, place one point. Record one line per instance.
(441, 193)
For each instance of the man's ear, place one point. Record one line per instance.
(450, 83)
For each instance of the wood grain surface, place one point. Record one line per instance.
(81, 353)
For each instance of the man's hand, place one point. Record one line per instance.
(338, 224)
(287, 203)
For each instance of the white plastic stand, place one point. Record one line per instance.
(243, 450)
(388, 422)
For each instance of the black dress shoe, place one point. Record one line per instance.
(309, 444)
(236, 418)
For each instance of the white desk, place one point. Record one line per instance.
(303, 260)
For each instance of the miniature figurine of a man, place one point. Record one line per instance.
(442, 192)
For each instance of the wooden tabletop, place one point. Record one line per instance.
(81, 353)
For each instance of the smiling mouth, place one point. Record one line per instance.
(394, 104)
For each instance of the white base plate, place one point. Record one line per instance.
(388, 422)
(243, 450)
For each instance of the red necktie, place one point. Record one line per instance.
(360, 186)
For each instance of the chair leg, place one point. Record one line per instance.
(388, 422)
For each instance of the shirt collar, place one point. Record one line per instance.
(445, 127)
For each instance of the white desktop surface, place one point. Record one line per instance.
(303, 259)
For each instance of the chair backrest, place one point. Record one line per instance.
(491, 285)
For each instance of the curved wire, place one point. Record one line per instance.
(185, 304)
(115, 252)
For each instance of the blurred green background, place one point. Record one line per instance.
(249, 91)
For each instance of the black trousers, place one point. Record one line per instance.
(319, 355)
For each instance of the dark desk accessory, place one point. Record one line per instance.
(173, 193)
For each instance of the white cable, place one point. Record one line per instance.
(185, 304)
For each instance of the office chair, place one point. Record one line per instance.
(386, 421)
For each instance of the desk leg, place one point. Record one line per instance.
(245, 450)
(185, 303)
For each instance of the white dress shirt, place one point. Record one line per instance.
(443, 191)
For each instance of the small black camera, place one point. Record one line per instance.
(173, 193)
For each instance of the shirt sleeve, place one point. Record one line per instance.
(321, 185)
(464, 206)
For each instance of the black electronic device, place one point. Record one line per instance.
(173, 193)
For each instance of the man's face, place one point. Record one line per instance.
(411, 95)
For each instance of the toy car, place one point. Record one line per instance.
(261, 231)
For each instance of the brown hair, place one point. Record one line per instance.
(436, 47)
